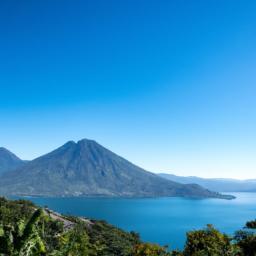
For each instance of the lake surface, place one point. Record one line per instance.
(161, 220)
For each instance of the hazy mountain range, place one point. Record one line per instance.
(220, 185)
(86, 168)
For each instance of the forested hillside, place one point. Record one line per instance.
(28, 230)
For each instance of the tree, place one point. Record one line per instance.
(73, 243)
(23, 239)
(147, 249)
(208, 242)
(246, 239)
(251, 224)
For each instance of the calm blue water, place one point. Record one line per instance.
(161, 220)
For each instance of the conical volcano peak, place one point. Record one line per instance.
(69, 143)
(82, 142)
(66, 146)
(89, 145)
(86, 141)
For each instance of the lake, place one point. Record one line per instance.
(161, 220)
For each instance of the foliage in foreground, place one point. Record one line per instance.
(26, 230)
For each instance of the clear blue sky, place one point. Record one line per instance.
(169, 85)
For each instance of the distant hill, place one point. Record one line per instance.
(220, 185)
(86, 168)
(8, 161)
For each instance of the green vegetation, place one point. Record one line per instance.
(27, 230)
(208, 242)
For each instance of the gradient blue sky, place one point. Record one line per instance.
(169, 85)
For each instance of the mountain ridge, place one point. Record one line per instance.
(215, 184)
(86, 168)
